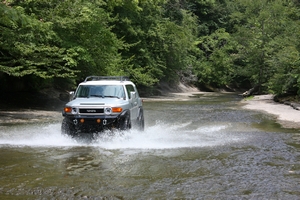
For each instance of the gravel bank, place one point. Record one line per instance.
(287, 116)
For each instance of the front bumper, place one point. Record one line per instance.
(88, 124)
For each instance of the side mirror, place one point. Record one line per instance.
(71, 95)
(132, 95)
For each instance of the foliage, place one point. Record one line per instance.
(286, 58)
(266, 33)
(30, 46)
(159, 47)
(216, 65)
(211, 42)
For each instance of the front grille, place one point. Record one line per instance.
(91, 110)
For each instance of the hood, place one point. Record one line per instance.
(82, 102)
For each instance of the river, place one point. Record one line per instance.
(206, 147)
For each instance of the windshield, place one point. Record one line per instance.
(113, 91)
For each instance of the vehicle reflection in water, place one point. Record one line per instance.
(203, 148)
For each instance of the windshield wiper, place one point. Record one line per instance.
(95, 95)
(111, 97)
(104, 96)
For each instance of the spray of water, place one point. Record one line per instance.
(158, 136)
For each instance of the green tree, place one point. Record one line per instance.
(286, 59)
(82, 26)
(160, 44)
(30, 47)
(261, 29)
(217, 54)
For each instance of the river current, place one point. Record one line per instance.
(202, 148)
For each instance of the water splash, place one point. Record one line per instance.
(158, 136)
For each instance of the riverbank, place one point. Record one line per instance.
(28, 116)
(286, 115)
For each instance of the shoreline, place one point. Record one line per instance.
(286, 115)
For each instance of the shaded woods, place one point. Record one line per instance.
(214, 43)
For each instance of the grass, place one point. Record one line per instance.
(248, 98)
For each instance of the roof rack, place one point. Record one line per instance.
(107, 78)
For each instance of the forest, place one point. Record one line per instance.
(207, 43)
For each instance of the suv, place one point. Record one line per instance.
(103, 103)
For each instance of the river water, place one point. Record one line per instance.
(202, 148)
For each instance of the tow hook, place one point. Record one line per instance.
(75, 121)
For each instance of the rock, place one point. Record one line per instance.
(251, 91)
(295, 106)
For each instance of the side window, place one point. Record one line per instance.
(83, 91)
(129, 89)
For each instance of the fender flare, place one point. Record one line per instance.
(141, 110)
(125, 113)
(122, 118)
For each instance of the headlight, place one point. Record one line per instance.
(74, 111)
(107, 110)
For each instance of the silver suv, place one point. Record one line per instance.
(103, 103)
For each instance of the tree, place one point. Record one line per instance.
(159, 43)
(82, 26)
(286, 59)
(216, 63)
(30, 47)
(259, 25)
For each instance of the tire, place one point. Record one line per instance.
(141, 121)
(67, 128)
(125, 123)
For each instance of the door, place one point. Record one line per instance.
(133, 100)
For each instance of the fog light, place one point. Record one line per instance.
(82, 120)
(98, 121)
